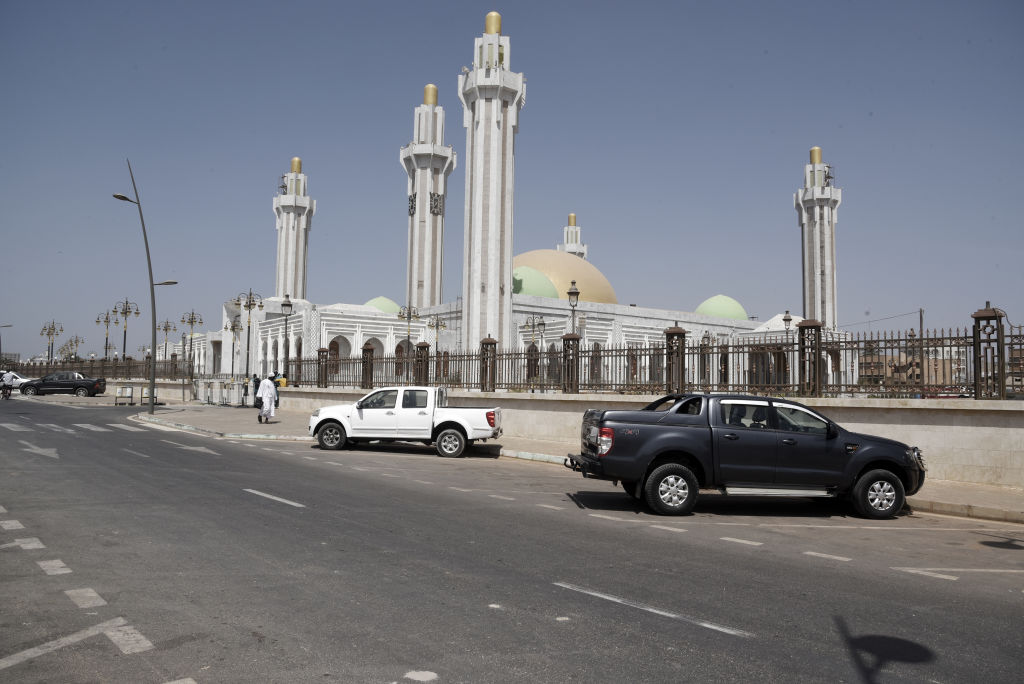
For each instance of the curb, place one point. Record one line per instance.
(966, 511)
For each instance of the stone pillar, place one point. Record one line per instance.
(488, 363)
(675, 359)
(571, 363)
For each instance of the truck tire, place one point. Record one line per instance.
(671, 489)
(878, 494)
(81, 392)
(331, 436)
(450, 443)
(30, 391)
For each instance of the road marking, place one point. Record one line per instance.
(826, 555)
(135, 453)
(267, 449)
(11, 525)
(54, 567)
(503, 498)
(200, 449)
(27, 544)
(667, 528)
(554, 508)
(741, 541)
(362, 470)
(56, 428)
(189, 680)
(126, 428)
(275, 498)
(2, 509)
(85, 598)
(15, 427)
(420, 676)
(389, 475)
(57, 644)
(163, 428)
(335, 463)
(612, 517)
(309, 458)
(919, 571)
(128, 639)
(460, 489)
(656, 611)
(94, 428)
(42, 451)
(423, 482)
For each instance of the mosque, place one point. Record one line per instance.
(519, 300)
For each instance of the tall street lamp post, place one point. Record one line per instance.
(167, 326)
(533, 357)
(286, 309)
(249, 301)
(235, 327)
(191, 319)
(574, 299)
(5, 325)
(105, 319)
(125, 309)
(152, 286)
(438, 325)
(49, 331)
(408, 313)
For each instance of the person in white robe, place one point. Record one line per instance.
(267, 392)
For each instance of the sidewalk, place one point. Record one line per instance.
(987, 502)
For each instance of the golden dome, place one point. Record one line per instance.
(296, 165)
(430, 94)
(492, 23)
(561, 268)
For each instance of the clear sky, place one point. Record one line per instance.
(676, 131)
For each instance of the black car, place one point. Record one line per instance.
(66, 382)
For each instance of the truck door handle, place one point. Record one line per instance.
(730, 435)
(390, 413)
(423, 413)
(789, 442)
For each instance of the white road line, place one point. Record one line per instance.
(85, 598)
(503, 498)
(335, 463)
(135, 453)
(389, 475)
(309, 458)
(27, 544)
(826, 555)
(741, 541)
(275, 498)
(554, 508)
(918, 571)
(57, 644)
(15, 427)
(612, 517)
(460, 489)
(2, 509)
(94, 428)
(189, 680)
(11, 525)
(162, 428)
(362, 470)
(126, 428)
(656, 611)
(667, 528)
(268, 449)
(426, 482)
(128, 639)
(54, 567)
(56, 428)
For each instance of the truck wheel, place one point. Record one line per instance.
(30, 391)
(450, 443)
(331, 436)
(630, 488)
(81, 392)
(671, 489)
(878, 494)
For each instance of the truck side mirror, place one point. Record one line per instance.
(833, 431)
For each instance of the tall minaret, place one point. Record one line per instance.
(428, 161)
(816, 205)
(294, 209)
(491, 99)
(572, 242)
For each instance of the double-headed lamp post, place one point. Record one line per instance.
(51, 330)
(125, 309)
(286, 309)
(167, 326)
(152, 286)
(574, 299)
(249, 301)
(191, 319)
(234, 327)
(408, 312)
(105, 319)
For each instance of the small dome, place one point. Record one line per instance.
(529, 281)
(561, 268)
(721, 306)
(384, 304)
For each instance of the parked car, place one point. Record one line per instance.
(18, 379)
(667, 451)
(411, 414)
(68, 382)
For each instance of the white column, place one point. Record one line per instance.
(817, 206)
(294, 209)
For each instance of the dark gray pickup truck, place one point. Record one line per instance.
(668, 450)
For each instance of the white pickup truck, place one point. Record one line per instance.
(409, 414)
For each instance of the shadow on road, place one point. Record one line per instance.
(871, 653)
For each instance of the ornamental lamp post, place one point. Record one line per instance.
(438, 325)
(234, 327)
(249, 301)
(51, 330)
(286, 309)
(166, 326)
(191, 319)
(125, 309)
(408, 312)
(574, 299)
(105, 319)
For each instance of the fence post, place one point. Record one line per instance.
(367, 379)
(989, 353)
(571, 363)
(675, 359)
(809, 337)
(321, 367)
(422, 368)
(488, 363)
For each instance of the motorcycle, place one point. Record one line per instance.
(6, 392)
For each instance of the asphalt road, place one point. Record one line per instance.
(131, 554)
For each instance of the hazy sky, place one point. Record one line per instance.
(676, 131)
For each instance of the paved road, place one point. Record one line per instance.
(134, 554)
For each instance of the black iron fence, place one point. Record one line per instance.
(985, 361)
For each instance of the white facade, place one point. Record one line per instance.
(816, 205)
(429, 162)
(491, 96)
(294, 209)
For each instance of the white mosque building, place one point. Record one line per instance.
(504, 296)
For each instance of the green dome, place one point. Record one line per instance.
(529, 281)
(721, 306)
(383, 304)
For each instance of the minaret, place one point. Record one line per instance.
(572, 242)
(428, 161)
(816, 204)
(294, 209)
(492, 96)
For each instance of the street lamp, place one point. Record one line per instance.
(286, 309)
(191, 319)
(438, 325)
(152, 286)
(73, 346)
(574, 299)
(105, 319)
(787, 321)
(408, 313)
(235, 327)
(50, 330)
(248, 302)
(167, 326)
(125, 309)
(536, 323)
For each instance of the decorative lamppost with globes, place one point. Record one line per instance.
(51, 330)
(191, 319)
(408, 313)
(438, 325)
(167, 327)
(125, 309)
(536, 323)
(234, 327)
(105, 319)
(286, 309)
(249, 301)
(574, 299)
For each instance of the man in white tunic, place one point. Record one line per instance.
(267, 392)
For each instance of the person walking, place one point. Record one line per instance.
(255, 387)
(266, 393)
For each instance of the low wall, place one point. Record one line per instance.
(962, 439)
